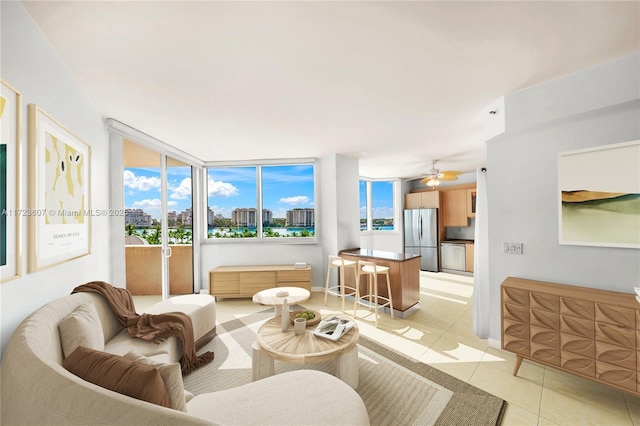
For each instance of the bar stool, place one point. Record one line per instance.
(339, 288)
(372, 271)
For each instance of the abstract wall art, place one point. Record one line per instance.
(599, 196)
(10, 212)
(59, 192)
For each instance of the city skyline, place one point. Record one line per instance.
(142, 189)
(284, 188)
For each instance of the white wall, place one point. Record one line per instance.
(31, 66)
(597, 106)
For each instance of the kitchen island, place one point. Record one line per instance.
(404, 272)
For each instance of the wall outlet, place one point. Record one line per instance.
(512, 248)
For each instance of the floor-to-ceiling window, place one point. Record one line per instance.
(158, 222)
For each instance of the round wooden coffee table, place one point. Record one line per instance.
(269, 297)
(273, 343)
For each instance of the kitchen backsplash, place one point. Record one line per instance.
(465, 233)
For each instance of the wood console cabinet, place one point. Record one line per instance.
(591, 333)
(245, 281)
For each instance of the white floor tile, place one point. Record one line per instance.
(440, 334)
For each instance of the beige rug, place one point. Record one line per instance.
(395, 389)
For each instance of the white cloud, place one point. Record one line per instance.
(148, 203)
(220, 189)
(224, 211)
(295, 201)
(153, 206)
(383, 212)
(141, 183)
(183, 191)
(280, 213)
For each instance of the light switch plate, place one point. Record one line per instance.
(512, 248)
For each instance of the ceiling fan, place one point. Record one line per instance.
(434, 176)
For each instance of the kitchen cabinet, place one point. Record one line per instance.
(404, 274)
(468, 259)
(422, 200)
(471, 202)
(454, 208)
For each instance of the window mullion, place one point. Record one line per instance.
(369, 206)
(259, 201)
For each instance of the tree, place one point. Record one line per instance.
(129, 228)
(154, 238)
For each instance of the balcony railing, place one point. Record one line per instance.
(144, 269)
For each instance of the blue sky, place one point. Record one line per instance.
(284, 188)
(382, 199)
(142, 189)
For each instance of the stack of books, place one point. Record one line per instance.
(637, 289)
(334, 328)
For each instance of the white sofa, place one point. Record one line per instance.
(37, 389)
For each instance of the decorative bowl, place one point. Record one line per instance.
(314, 321)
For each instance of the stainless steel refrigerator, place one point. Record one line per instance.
(421, 236)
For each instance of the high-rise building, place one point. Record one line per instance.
(210, 216)
(187, 217)
(172, 217)
(300, 217)
(136, 217)
(267, 217)
(244, 217)
(248, 217)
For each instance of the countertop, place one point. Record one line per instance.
(458, 241)
(387, 255)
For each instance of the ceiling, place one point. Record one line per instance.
(395, 84)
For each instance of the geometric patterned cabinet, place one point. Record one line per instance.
(591, 333)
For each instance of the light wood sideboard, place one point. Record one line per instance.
(591, 333)
(247, 280)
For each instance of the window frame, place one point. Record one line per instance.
(260, 238)
(396, 206)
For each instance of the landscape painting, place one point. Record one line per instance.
(599, 196)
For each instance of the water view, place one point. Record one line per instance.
(252, 232)
(151, 235)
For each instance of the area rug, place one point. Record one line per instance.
(395, 389)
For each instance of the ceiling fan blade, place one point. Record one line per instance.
(426, 179)
(450, 172)
(448, 177)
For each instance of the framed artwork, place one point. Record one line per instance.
(10, 212)
(599, 196)
(59, 196)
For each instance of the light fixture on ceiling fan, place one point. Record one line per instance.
(434, 176)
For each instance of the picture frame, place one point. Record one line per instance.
(10, 188)
(599, 196)
(59, 192)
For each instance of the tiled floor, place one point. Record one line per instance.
(440, 334)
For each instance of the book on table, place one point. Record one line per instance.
(334, 328)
